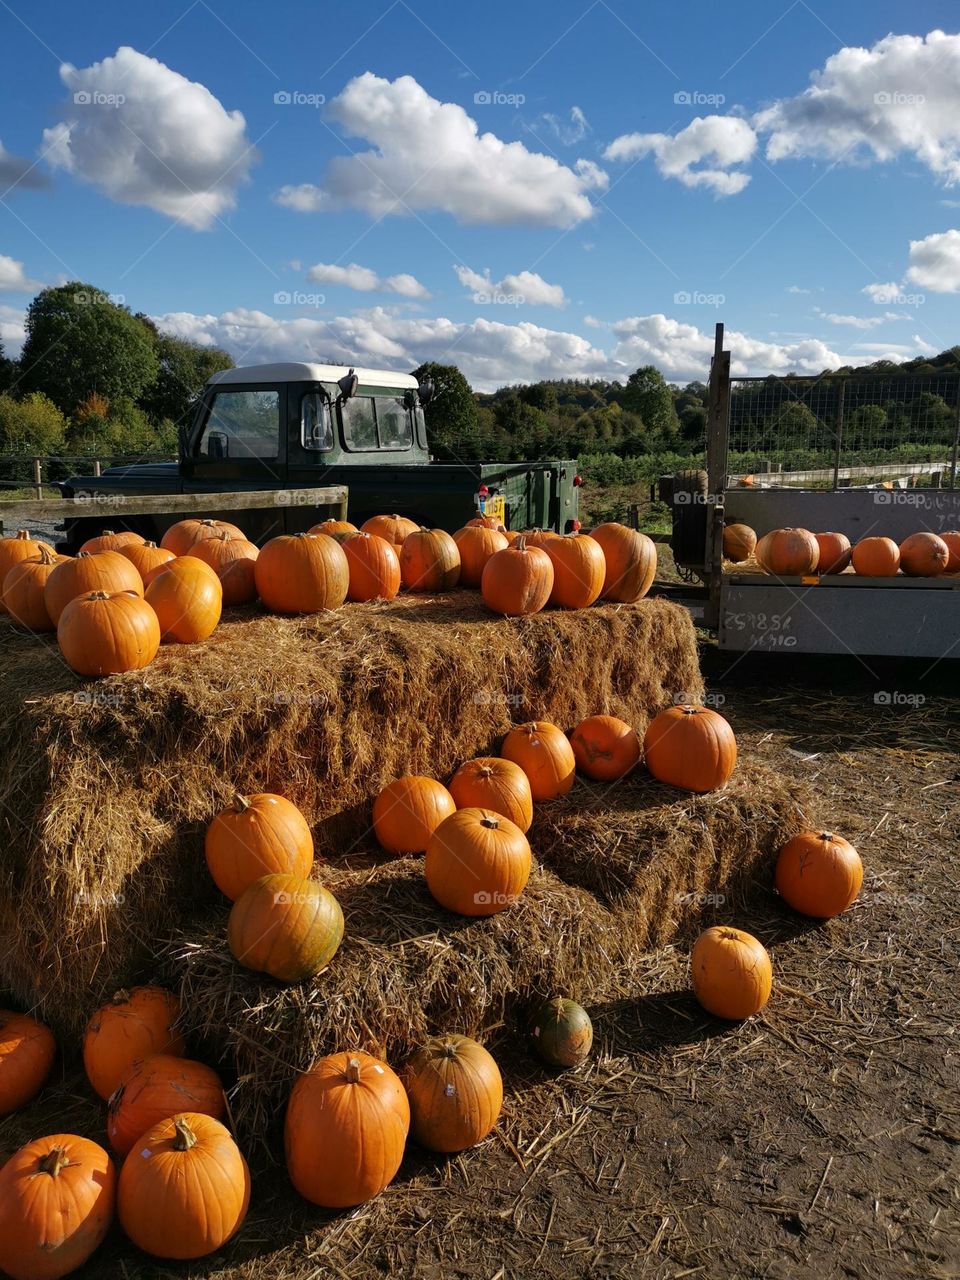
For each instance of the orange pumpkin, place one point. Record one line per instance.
(155, 1089)
(876, 557)
(511, 535)
(690, 747)
(393, 529)
(731, 973)
(257, 836)
(819, 874)
(147, 558)
(788, 552)
(333, 527)
(27, 1049)
(477, 863)
(285, 926)
(605, 748)
(490, 782)
(185, 1190)
(23, 589)
(835, 552)
(579, 570)
(483, 522)
(104, 633)
(476, 546)
(56, 1204)
(20, 547)
(183, 536)
(739, 542)
(374, 567)
(232, 560)
(429, 561)
(539, 537)
(407, 812)
(631, 562)
(346, 1129)
(187, 598)
(924, 555)
(110, 541)
(79, 575)
(302, 573)
(545, 755)
(455, 1091)
(952, 539)
(133, 1025)
(517, 580)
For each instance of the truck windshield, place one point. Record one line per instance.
(376, 422)
(242, 424)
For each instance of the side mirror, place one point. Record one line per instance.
(348, 385)
(427, 391)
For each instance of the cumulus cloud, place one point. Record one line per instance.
(428, 154)
(716, 143)
(568, 133)
(12, 329)
(15, 172)
(144, 134)
(13, 278)
(935, 262)
(366, 280)
(529, 286)
(883, 293)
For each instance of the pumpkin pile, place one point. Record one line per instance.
(800, 553)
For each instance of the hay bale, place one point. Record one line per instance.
(106, 788)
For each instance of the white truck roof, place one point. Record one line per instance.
(298, 371)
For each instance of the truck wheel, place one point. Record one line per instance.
(689, 509)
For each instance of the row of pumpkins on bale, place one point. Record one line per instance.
(792, 552)
(184, 1187)
(114, 603)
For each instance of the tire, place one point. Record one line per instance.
(689, 509)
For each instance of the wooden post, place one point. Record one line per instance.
(96, 467)
(956, 443)
(38, 477)
(718, 440)
(836, 456)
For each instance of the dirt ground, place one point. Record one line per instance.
(818, 1139)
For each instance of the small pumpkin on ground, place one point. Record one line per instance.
(374, 567)
(876, 557)
(79, 575)
(605, 748)
(187, 598)
(257, 836)
(27, 1050)
(408, 811)
(393, 529)
(835, 552)
(429, 561)
(57, 1198)
(285, 926)
(455, 1091)
(579, 570)
(110, 541)
(631, 562)
(183, 536)
(477, 862)
(105, 633)
(739, 542)
(731, 973)
(819, 874)
(23, 590)
(924, 555)
(302, 573)
(788, 552)
(545, 755)
(18, 547)
(133, 1025)
(346, 1129)
(147, 558)
(232, 560)
(184, 1191)
(690, 747)
(561, 1032)
(476, 546)
(490, 782)
(155, 1089)
(517, 580)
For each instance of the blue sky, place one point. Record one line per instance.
(527, 190)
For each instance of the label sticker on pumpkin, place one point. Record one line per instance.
(449, 1090)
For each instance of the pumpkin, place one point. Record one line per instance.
(545, 755)
(539, 537)
(23, 589)
(731, 973)
(232, 560)
(579, 570)
(455, 1091)
(133, 1025)
(511, 535)
(835, 552)
(147, 558)
(876, 557)
(490, 782)
(429, 561)
(476, 546)
(156, 1088)
(333, 527)
(819, 874)
(185, 1190)
(517, 580)
(20, 547)
(302, 573)
(27, 1050)
(104, 633)
(605, 748)
(952, 538)
(345, 1131)
(477, 862)
(56, 1204)
(110, 541)
(183, 536)
(393, 529)
(483, 522)
(257, 836)
(631, 562)
(187, 598)
(79, 575)
(561, 1032)
(690, 747)
(285, 926)
(924, 555)
(788, 552)
(374, 567)
(407, 812)
(739, 542)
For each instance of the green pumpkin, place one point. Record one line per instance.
(562, 1032)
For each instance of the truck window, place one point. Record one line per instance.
(393, 422)
(242, 424)
(376, 422)
(316, 427)
(359, 423)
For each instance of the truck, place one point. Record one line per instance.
(288, 427)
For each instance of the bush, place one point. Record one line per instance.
(33, 425)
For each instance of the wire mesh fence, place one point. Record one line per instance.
(36, 473)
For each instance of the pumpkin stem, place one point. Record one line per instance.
(46, 555)
(520, 544)
(484, 771)
(185, 1137)
(120, 997)
(53, 1162)
(352, 1072)
(81, 554)
(149, 544)
(106, 533)
(23, 535)
(488, 820)
(448, 1049)
(99, 595)
(240, 803)
(826, 835)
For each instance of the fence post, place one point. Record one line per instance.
(956, 442)
(836, 458)
(96, 466)
(38, 477)
(718, 439)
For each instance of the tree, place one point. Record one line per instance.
(183, 368)
(33, 425)
(79, 341)
(648, 396)
(8, 369)
(451, 416)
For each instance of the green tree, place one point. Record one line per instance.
(33, 425)
(451, 416)
(650, 398)
(79, 341)
(8, 369)
(183, 368)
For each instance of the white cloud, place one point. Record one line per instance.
(883, 293)
(795, 288)
(682, 351)
(529, 286)
(923, 347)
(721, 141)
(12, 329)
(566, 133)
(13, 278)
(935, 262)
(145, 135)
(15, 172)
(428, 154)
(366, 280)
